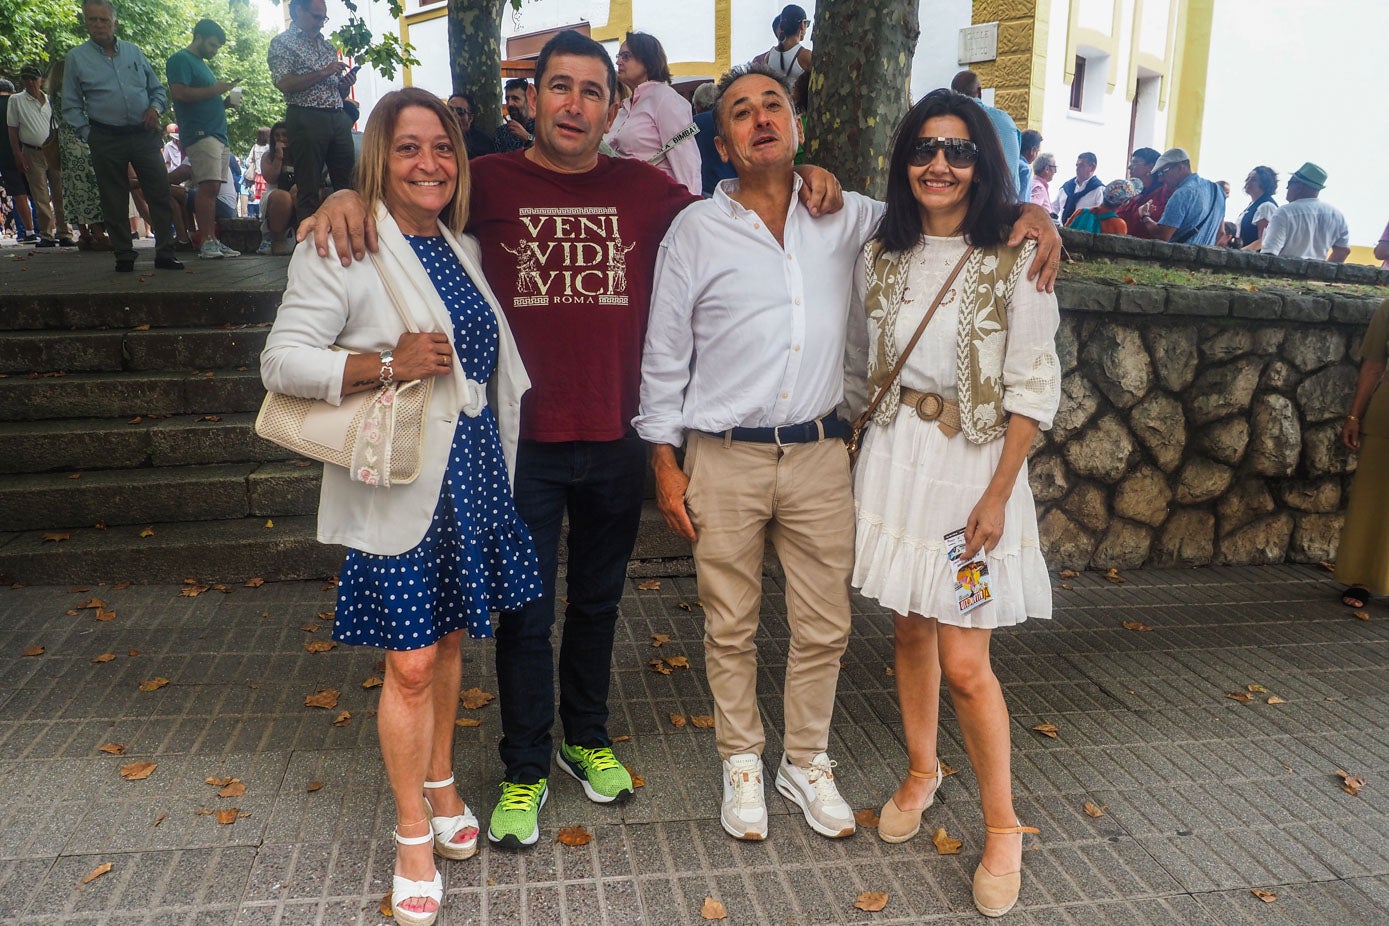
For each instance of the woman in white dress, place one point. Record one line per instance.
(986, 375)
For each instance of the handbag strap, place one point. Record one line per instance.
(916, 336)
(393, 294)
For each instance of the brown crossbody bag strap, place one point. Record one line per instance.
(861, 422)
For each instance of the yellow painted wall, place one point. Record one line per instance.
(1013, 73)
(1187, 107)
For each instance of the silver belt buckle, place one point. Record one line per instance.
(929, 406)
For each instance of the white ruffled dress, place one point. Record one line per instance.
(913, 485)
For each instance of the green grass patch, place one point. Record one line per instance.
(1144, 273)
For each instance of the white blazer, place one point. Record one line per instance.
(326, 303)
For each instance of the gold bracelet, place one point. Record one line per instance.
(1351, 418)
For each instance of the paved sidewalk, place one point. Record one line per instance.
(1205, 798)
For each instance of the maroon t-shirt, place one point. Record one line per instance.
(571, 257)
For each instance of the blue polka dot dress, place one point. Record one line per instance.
(477, 555)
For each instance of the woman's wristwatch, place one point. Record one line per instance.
(387, 371)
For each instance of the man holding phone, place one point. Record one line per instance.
(517, 130)
(307, 70)
(202, 117)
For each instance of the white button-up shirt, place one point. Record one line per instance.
(746, 332)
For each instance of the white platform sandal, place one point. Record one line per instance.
(405, 888)
(445, 828)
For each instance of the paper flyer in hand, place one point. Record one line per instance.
(971, 576)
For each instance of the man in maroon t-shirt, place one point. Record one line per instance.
(569, 240)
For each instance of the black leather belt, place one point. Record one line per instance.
(120, 129)
(830, 426)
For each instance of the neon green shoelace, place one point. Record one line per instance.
(519, 796)
(601, 758)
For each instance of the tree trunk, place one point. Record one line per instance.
(860, 87)
(475, 56)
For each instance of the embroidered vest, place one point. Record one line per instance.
(981, 333)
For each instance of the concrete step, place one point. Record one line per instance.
(125, 308)
(238, 549)
(125, 395)
(158, 349)
(50, 501)
(86, 444)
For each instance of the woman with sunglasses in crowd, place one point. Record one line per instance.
(947, 449)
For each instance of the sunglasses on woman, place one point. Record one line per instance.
(959, 152)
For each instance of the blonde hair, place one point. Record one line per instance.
(373, 166)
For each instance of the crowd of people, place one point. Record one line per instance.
(583, 288)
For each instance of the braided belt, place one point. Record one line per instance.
(931, 406)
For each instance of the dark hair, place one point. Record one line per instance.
(732, 77)
(263, 135)
(1148, 156)
(276, 127)
(1030, 139)
(1088, 156)
(966, 82)
(647, 49)
(1267, 178)
(515, 83)
(993, 206)
(206, 28)
(297, 5)
(466, 97)
(788, 22)
(800, 93)
(570, 42)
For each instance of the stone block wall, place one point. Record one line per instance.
(1199, 425)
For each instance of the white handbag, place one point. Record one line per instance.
(378, 435)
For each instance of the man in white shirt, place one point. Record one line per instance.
(29, 121)
(744, 364)
(1307, 227)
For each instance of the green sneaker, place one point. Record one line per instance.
(516, 818)
(604, 778)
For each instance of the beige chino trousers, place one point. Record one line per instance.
(802, 495)
(45, 178)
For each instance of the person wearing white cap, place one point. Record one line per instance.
(1307, 227)
(1195, 206)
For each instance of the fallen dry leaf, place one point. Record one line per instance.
(1093, 809)
(384, 907)
(677, 662)
(1047, 729)
(1329, 567)
(649, 585)
(871, 901)
(269, 523)
(257, 582)
(147, 532)
(104, 615)
(34, 651)
(219, 782)
(74, 475)
(328, 616)
(945, 770)
(325, 698)
(1265, 896)
(115, 749)
(867, 817)
(160, 819)
(683, 606)
(91, 604)
(97, 872)
(1113, 575)
(1066, 586)
(1256, 688)
(475, 698)
(154, 684)
(677, 720)
(313, 786)
(311, 627)
(637, 780)
(192, 591)
(713, 910)
(1361, 615)
(702, 721)
(342, 719)
(1069, 574)
(659, 666)
(235, 788)
(658, 638)
(1137, 626)
(945, 845)
(1242, 697)
(1351, 784)
(621, 739)
(891, 672)
(467, 722)
(574, 836)
(203, 812)
(228, 815)
(133, 652)
(1274, 699)
(372, 681)
(138, 771)
(320, 646)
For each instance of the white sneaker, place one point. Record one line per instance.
(226, 251)
(210, 250)
(744, 814)
(814, 791)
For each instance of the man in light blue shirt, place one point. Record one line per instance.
(1195, 206)
(113, 99)
(967, 82)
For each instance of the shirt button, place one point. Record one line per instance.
(786, 395)
(789, 257)
(756, 224)
(797, 347)
(798, 301)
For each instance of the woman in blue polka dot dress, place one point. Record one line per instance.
(427, 561)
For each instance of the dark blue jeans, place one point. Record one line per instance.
(599, 484)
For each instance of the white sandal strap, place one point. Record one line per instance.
(439, 784)
(405, 888)
(414, 840)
